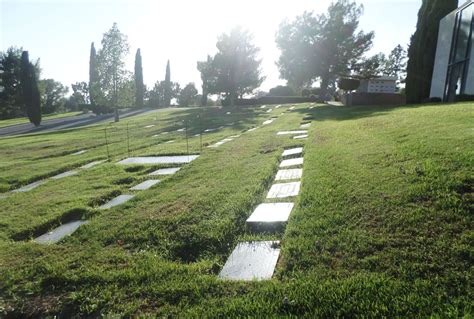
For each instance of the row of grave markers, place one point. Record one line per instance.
(257, 260)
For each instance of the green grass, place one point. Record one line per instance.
(382, 227)
(24, 120)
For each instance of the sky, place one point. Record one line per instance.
(60, 32)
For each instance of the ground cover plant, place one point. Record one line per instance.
(382, 226)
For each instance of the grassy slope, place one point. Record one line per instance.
(24, 120)
(382, 227)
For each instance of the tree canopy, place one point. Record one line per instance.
(139, 86)
(31, 94)
(187, 95)
(322, 46)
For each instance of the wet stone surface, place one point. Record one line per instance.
(181, 159)
(293, 151)
(287, 174)
(292, 162)
(145, 185)
(28, 187)
(165, 171)
(284, 190)
(251, 261)
(117, 201)
(292, 132)
(271, 213)
(65, 174)
(60, 232)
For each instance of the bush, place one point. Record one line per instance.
(464, 98)
(347, 84)
(281, 91)
(305, 92)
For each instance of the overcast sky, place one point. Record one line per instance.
(60, 32)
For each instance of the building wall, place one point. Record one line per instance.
(470, 74)
(443, 50)
(377, 86)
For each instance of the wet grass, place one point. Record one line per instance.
(382, 227)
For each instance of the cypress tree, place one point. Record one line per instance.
(31, 95)
(422, 51)
(139, 87)
(167, 95)
(93, 75)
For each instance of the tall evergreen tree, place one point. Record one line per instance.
(31, 95)
(93, 76)
(422, 51)
(168, 89)
(139, 87)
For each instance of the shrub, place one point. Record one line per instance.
(305, 92)
(281, 91)
(464, 98)
(347, 84)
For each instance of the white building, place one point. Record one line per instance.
(453, 72)
(383, 84)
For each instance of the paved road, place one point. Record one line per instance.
(66, 122)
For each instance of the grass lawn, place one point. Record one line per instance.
(382, 226)
(24, 120)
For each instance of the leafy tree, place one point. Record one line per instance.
(422, 50)
(208, 78)
(11, 93)
(188, 94)
(235, 67)
(111, 65)
(80, 93)
(348, 85)
(31, 95)
(126, 93)
(281, 90)
(52, 95)
(372, 66)
(139, 86)
(168, 88)
(396, 64)
(94, 85)
(156, 96)
(322, 46)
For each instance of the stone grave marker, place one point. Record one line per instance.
(284, 190)
(60, 232)
(116, 201)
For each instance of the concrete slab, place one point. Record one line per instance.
(299, 137)
(291, 132)
(145, 185)
(284, 190)
(292, 162)
(165, 171)
(271, 213)
(180, 159)
(251, 261)
(116, 201)
(287, 174)
(79, 152)
(60, 232)
(292, 151)
(65, 174)
(29, 187)
(92, 164)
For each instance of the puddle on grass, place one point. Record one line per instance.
(60, 232)
(181, 159)
(251, 261)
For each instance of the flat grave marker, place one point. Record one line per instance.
(291, 132)
(287, 174)
(292, 151)
(299, 137)
(149, 126)
(145, 185)
(179, 159)
(271, 213)
(60, 232)
(29, 187)
(65, 174)
(268, 122)
(165, 171)
(92, 164)
(79, 152)
(292, 162)
(284, 190)
(116, 201)
(307, 125)
(251, 261)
